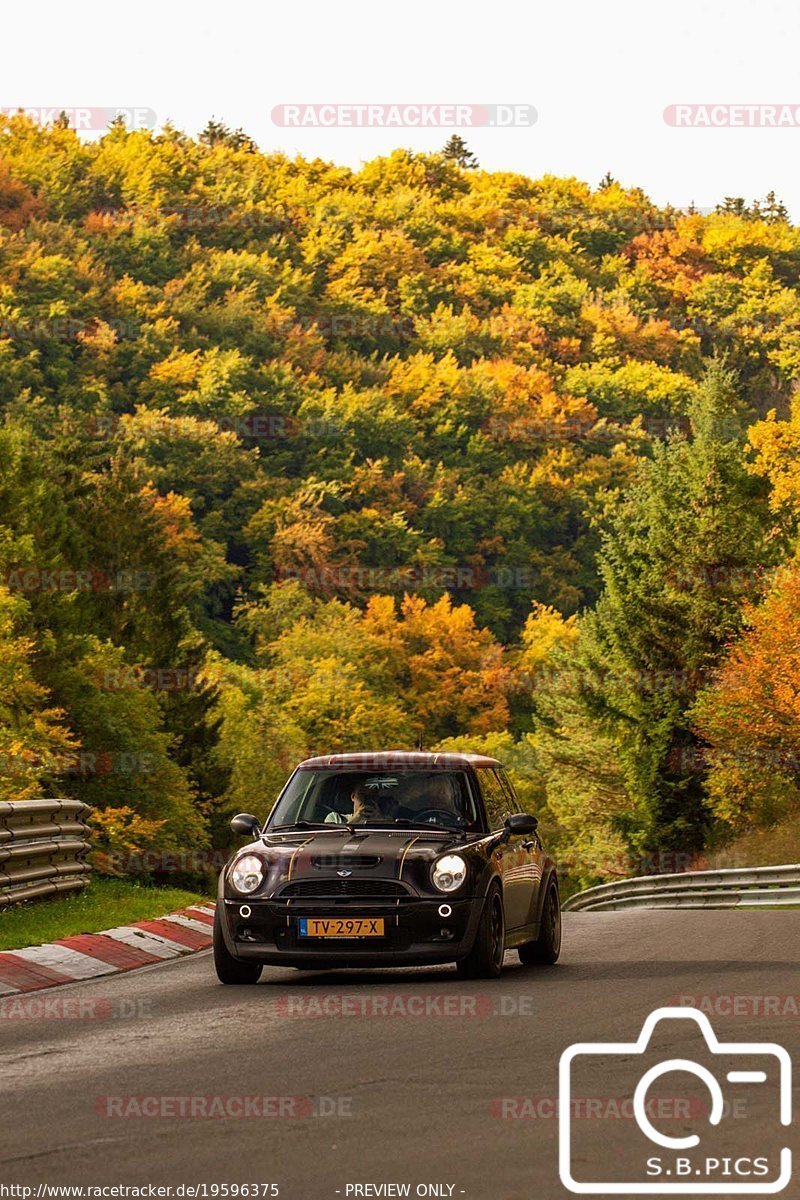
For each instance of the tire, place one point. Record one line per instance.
(485, 959)
(228, 968)
(547, 947)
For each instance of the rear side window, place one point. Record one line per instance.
(498, 804)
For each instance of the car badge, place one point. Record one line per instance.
(344, 874)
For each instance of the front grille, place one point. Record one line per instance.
(322, 889)
(335, 862)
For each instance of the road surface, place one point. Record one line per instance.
(421, 1081)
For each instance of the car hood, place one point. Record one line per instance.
(403, 854)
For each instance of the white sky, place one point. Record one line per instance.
(599, 74)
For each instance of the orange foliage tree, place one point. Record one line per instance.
(750, 714)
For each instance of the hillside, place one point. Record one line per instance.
(296, 458)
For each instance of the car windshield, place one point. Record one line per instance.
(404, 798)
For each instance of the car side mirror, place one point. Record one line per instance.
(247, 825)
(519, 824)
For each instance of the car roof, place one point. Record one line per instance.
(381, 759)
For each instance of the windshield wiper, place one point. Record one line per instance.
(408, 823)
(403, 822)
(311, 825)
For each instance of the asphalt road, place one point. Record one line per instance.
(389, 1097)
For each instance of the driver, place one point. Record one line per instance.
(369, 804)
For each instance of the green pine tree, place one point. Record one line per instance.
(217, 133)
(456, 150)
(681, 549)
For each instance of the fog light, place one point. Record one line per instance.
(245, 911)
(445, 910)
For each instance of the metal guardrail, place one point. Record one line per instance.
(751, 887)
(43, 847)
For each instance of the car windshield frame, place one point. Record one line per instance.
(297, 806)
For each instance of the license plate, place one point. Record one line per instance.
(341, 927)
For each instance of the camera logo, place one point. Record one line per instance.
(689, 1092)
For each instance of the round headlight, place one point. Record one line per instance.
(449, 872)
(247, 873)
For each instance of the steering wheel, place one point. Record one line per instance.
(433, 816)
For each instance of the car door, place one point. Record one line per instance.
(528, 861)
(510, 856)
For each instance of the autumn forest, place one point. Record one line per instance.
(296, 458)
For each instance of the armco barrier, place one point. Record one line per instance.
(756, 887)
(43, 847)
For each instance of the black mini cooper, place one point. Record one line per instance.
(388, 859)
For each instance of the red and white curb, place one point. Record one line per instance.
(87, 955)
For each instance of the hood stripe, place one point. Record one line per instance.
(294, 856)
(406, 849)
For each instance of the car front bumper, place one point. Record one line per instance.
(416, 932)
